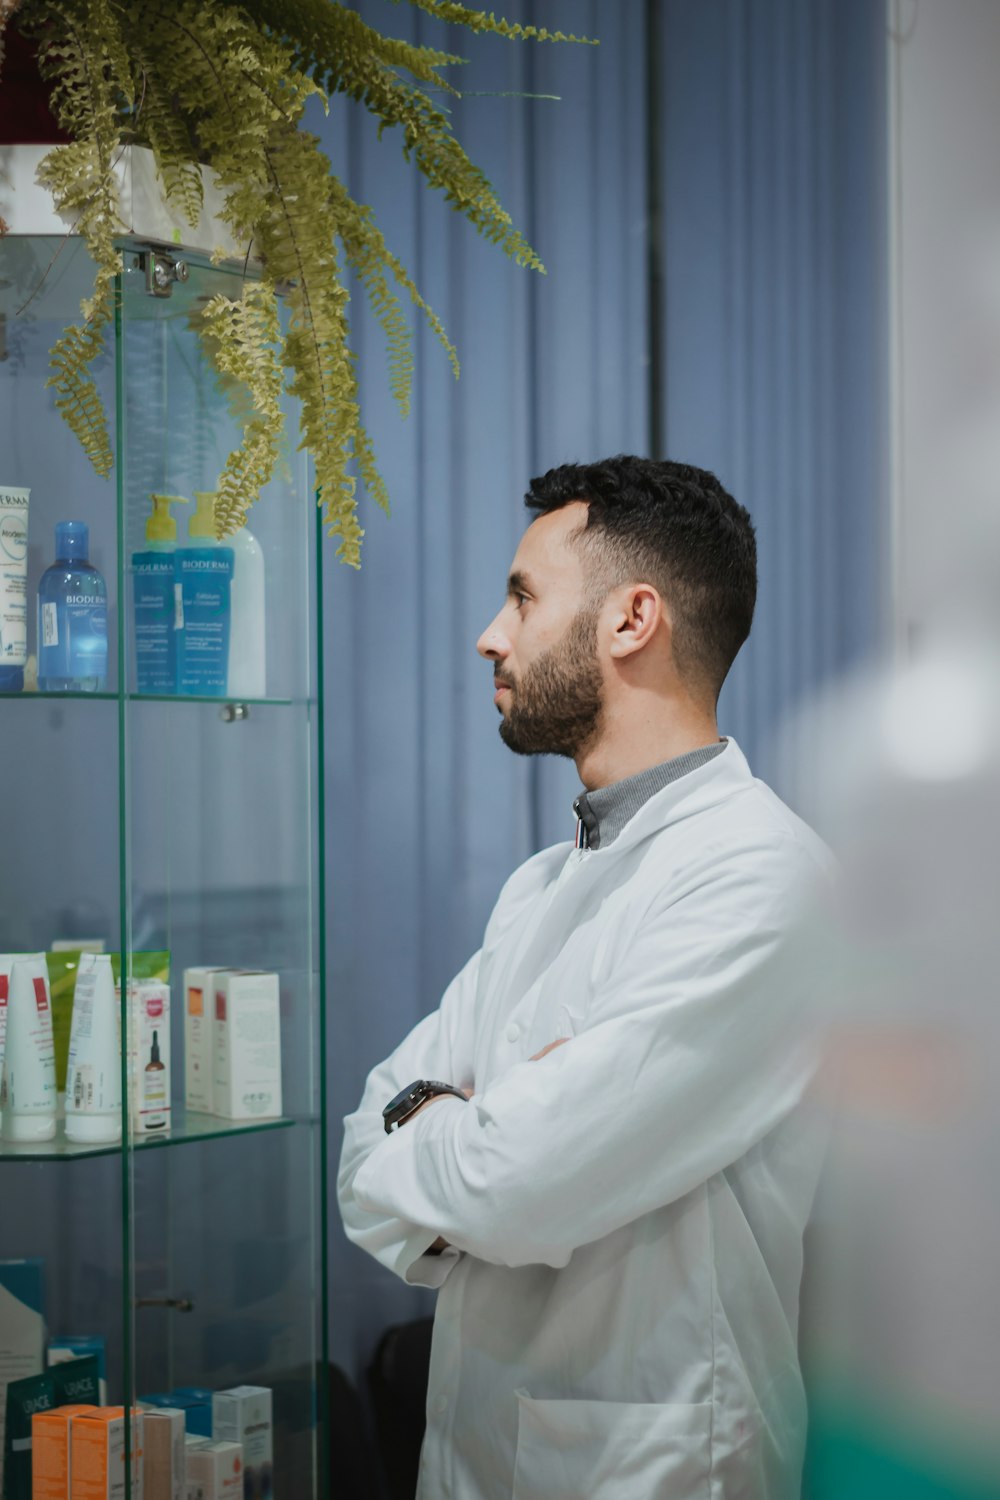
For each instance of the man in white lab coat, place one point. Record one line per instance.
(597, 1146)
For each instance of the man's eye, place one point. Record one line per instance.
(521, 599)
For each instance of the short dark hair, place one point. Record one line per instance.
(676, 527)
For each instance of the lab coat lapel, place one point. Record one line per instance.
(559, 911)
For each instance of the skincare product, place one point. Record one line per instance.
(204, 575)
(163, 1456)
(217, 1468)
(243, 1415)
(199, 1037)
(29, 1105)
(153, 600)
(13, 588)
(247, 1082)
(247, 631)
(85, 1346)
(74, 1384)
(6, 964)
(22, 1331)
(195, 1402)
(72, 618)
(51, 1452)
(98, 1455)
(149, 1054)
(93, 1078)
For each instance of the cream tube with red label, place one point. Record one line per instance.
(6, 960)
(29, 1108)
(94, 1074)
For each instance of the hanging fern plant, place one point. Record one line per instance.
(208, 81)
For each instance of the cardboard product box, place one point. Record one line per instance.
(215, 1471)
(22, 1329)
(247, 1044)
(149, 1054)
(163, 1454)
(61, 1351)
(199, 1038)
(51, 1452)
(195, 1402)
(72, 1384)
(243, 1415)
(97, 1455)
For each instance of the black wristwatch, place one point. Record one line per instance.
(402, 1107)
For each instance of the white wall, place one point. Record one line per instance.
(944, 93)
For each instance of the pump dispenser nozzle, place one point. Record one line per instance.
(202, 523)
(161, 526)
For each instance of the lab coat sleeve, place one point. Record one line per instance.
(696, 1044)
(439, 1047)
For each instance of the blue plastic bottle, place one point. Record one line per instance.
(72, 618)
(153, 601)
(204, 574)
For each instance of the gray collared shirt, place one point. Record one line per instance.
(603, 813)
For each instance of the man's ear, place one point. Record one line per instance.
(638, 615)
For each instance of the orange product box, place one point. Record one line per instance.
(50, 1451)
(97, 1455)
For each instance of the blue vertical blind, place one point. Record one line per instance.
(766, 366)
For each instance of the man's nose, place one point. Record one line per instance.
(493, 644)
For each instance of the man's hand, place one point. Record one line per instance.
(550, 1048)
(440, 1244)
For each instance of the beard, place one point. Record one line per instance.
(556, 703)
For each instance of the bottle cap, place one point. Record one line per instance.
(202, 523)
(72, 540)
(161, 526)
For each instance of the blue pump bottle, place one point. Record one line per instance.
(72, 618)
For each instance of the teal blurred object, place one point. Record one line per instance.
(851, 1455)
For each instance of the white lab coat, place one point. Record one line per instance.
(617, 1316)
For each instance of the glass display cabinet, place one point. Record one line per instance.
(177, 824)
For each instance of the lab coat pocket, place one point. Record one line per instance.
(611, 1450)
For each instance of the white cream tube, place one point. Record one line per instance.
(13, 581)
(29, 1112)
(6, 960)
(94, 1078)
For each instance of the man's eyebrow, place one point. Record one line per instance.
(518, 583)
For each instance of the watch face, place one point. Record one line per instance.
(404, 1100)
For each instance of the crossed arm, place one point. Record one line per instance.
(693, 1050)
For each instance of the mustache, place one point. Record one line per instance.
(500, 681)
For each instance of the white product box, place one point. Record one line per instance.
(199, 1038)
(164, 1456)
(247, 1044)
(243, 1415)
(149, 1053)
(22, 1329)
(214, 1471)
(98, 1455)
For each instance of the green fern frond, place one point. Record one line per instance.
(160, 126)
(227, 83)
(324, 36)
(243, 336)
(368, 253)
(77, 397)
(481, 20)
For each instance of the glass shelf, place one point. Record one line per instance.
(150, 698)
(186, 1126)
